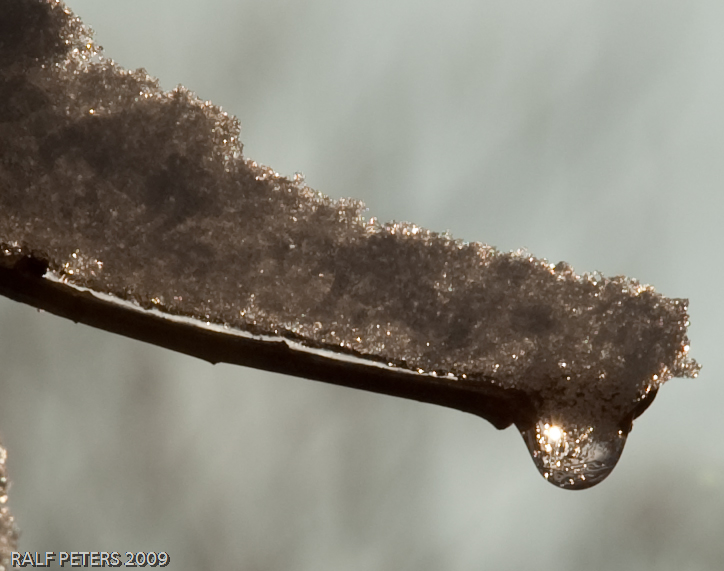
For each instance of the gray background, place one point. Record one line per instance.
(586, 131)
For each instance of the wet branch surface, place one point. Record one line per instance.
(21, 279)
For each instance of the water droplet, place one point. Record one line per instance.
(573, 457)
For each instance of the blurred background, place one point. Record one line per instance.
(585, 131)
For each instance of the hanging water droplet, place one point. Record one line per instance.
(573, 457)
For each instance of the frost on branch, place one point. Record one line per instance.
(110, 185)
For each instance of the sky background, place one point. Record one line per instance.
(585, 131)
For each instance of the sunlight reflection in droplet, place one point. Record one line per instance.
(573, 457)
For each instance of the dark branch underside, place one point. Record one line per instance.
(22, 280)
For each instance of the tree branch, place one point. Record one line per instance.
(133, 210)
